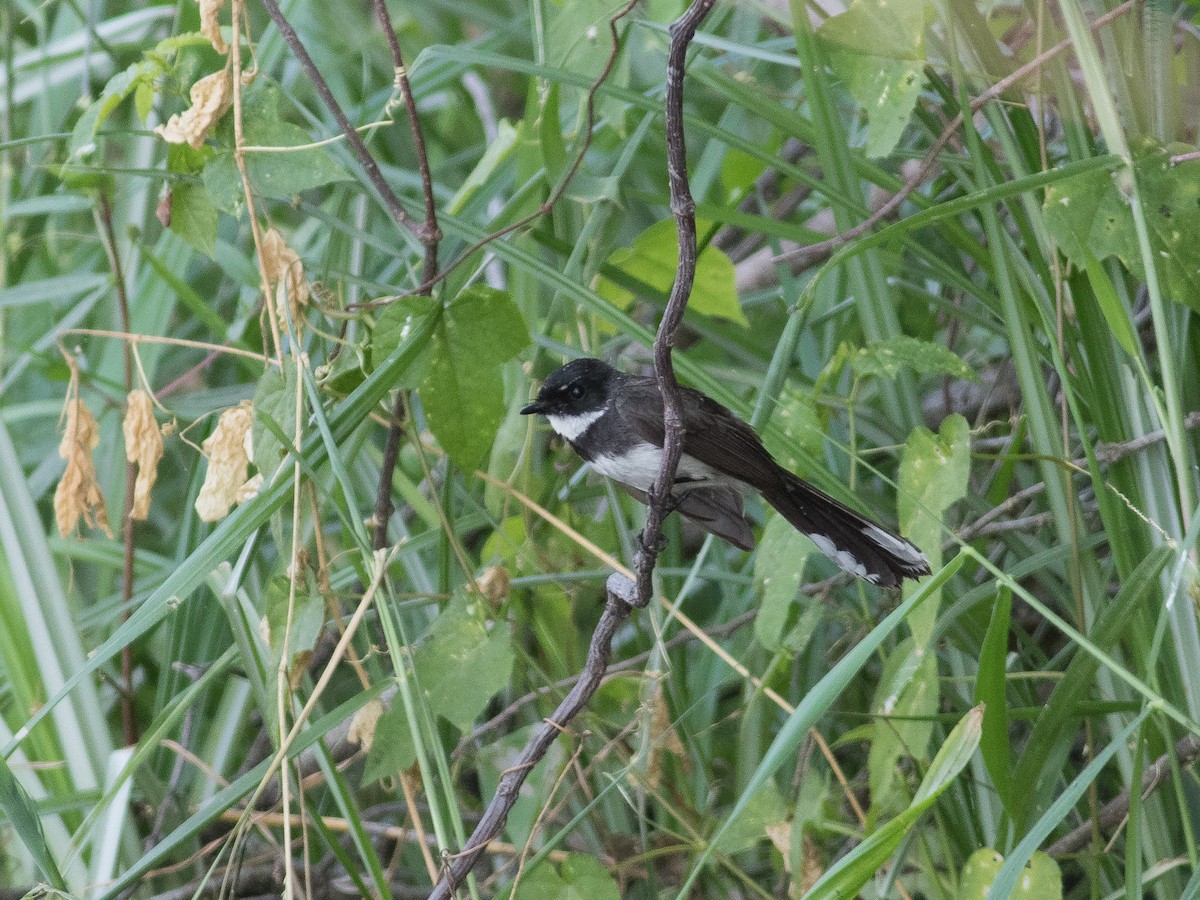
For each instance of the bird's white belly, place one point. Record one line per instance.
(640, 466)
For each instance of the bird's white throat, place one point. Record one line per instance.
(571, 427)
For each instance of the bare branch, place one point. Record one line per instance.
(357, 147)
(684, 208)
(616, 611)
(1186, 751)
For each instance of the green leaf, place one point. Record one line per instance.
(392, 749)
(933, 475)
(462, 392)
(193, 217)
(846, 877)
(778, 571)
(1040, 880)
(877, 48)
(393, 327)
(580, 877)
(275, 400)
(909, 690)
(990, 691)
(1089, 216)
(795, 429)
(463, 661)
(887, 358)
(21, 814)
(653, 259)
(307, 615)
(766, 807)
(272, 174)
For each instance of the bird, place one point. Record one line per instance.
(615, 422)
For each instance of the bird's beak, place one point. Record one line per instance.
(537, 406)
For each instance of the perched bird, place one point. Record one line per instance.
(615, 422)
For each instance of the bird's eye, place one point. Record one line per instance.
(576, 391)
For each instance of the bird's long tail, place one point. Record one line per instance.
(851, 540)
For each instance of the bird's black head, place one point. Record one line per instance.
(581, 386)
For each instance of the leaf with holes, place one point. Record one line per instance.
(462, 392)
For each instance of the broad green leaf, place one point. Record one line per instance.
(579, 877)
(463, 661)
(778, 571)
(307, 614)
(766, 807)
(1040, 880)
(461, 391)
(847, 876)
(990, 691)
(578, 38)
(274, 418)
(1089, 216)
(887, 358)
(279, 174)
(21, 814)
(933, 475)
(392, 749)
(193, 217)
(795, 429)
(393, 327)
(908, 690)
(653, 259)
(877, 47)
(886, 89)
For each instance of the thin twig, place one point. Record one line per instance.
(129, 725)
(683, 207)
(561, 188)
(390, 201)
(616, 611)
(623, 594)
(1186, 751)
(812, 252)
(430, 235)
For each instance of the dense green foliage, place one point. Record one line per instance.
(1008, 366)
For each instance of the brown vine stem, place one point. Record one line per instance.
(561, 188)
(390, 201)
(813, 252)
(1113, 813)
(430, 236)
(622, 594)
(129, 725)
(683, 207)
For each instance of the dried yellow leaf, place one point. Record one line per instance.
(228, 463)
(210, 25)
(494, 585)
(664, 738)
(211, 96)
(78, 494)
(362, 726)
(144, 446)
(286, 272)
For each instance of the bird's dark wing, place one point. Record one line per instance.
(712, 434)
(718, 510)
